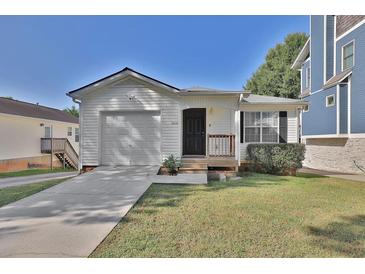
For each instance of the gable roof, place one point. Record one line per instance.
(262, 99)
(120, 74)
(302, 56)
(15, 107)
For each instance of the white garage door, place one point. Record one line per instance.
(131, 138)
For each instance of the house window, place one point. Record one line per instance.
(306, 108)
(77, 134)
(348, 55)
(69, 131)
(47, 132)
(270, 127)
(330, 100)
(307, 77)
(252, 127)
(260, 127)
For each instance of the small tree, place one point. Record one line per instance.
(73, 111)
(275, 77)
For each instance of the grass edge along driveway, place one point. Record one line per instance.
(35, 171)
(14, 193)
(256, 216)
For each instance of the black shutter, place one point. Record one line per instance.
(283, 126)
(241, 127)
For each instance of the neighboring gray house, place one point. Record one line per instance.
(129, 118)
(332, 66)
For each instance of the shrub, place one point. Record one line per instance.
(276, 158)
(172, 163)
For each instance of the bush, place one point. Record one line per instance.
(172, 163)
(276, 158)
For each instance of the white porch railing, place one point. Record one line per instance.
(221, 145)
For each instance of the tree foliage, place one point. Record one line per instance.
(275, 77)
(72, 110)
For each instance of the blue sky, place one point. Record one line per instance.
(43, 57)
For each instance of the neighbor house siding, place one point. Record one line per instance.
(305, 65)
(116, 98)
(329, 46)
(357, 78)
(317, 52)
(320, 120)
(21, 136)
(343, 109)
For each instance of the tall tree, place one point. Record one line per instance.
(72, 110)
(275, 77)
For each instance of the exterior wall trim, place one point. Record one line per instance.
(325, 49)
(338, 109)
(349, 106)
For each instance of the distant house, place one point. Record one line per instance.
(129, 118)
(332, 66)
(26, 132)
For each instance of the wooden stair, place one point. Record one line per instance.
(194, 166)
(67, 160)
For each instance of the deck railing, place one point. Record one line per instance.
(221, 145)
(59, 145)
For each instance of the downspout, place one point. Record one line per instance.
(80, 133)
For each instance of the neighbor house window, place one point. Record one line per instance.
(47, 132)
(270, 127)
(260, 127)
(77, 134)
(330, 100)
(307, 77)
(348, 56)
(252, 127)
(306, 108)
(69, 131)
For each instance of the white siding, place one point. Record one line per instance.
(117, 98)
(293, 122)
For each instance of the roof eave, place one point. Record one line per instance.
(301, 56)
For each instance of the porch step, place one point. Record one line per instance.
(185, 170)
(196, 165)
(194, 160)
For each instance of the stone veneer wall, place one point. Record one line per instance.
(335, 154)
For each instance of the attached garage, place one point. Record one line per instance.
(131, 138)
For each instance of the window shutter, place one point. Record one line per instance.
(283, 127)
(241, 127)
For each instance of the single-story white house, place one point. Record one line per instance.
(26, 130)
(129, 118)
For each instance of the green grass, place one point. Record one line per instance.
(32, 172)
(257, 216)
(15, 193)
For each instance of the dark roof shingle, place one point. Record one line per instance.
(15, 107)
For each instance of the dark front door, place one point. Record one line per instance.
(194, 131)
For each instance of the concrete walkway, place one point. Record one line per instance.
(183, 179)
(346, 176)
(24, 180)
(72, 218)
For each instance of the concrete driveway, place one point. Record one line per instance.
(72, 218)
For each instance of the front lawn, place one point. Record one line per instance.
(14, 193)
(34, 171)
(257, 216)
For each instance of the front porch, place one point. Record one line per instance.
(209, 139)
